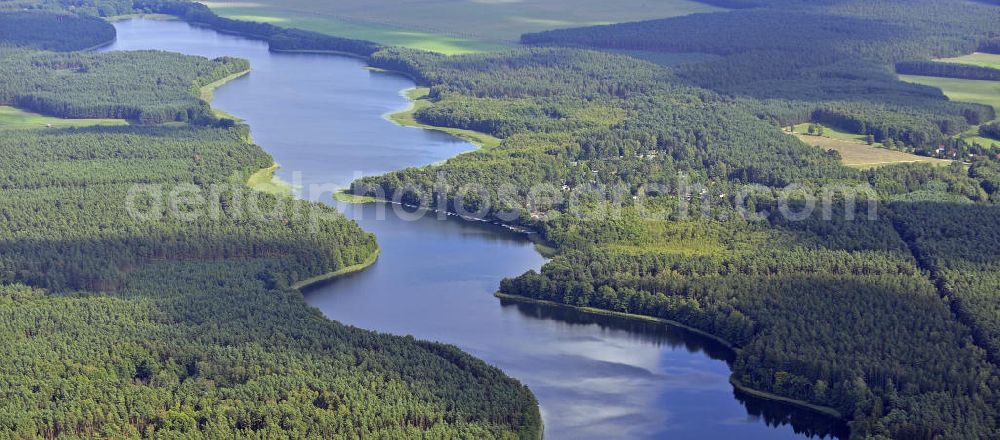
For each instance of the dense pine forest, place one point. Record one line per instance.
(142, 87)
(178, 321)
(34, 30)
(885, 312)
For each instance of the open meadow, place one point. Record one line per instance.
(448, 26)
(966, 90)
(14, 118)
(854, 152)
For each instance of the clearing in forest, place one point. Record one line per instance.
(854, 152)
(976, 59)
(14, 118)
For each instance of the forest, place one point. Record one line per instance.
(179, 322)
(822, 61)
(142, 87)
(847, 313)
(991, 131)
(34, 30)
(890, 319)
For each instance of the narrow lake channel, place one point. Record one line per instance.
(322, 118)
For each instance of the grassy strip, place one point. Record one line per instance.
(346, 197)
(15, 118)
(825, 410)
(338, 273)
(976, 59)
(264, 181)
(207, 93)
(418, 100)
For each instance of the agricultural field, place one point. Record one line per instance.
(982, 92)
(448, 26)
(976, 59)
(854, 152)
(966, 90)
(14, 118)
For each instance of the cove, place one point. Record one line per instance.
(322, 118)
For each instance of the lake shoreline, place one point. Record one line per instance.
(761, 394)
(417, 97)
(319, 280)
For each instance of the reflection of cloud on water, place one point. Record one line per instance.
(737, 421)
(598, 420)
(600, 390)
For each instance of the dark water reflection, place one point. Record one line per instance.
(595, 377)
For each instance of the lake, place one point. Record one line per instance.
(322, 117)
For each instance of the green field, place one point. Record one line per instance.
(967, 90)
(448, 26)
(831, 133)
(11, 117)
(976, 59)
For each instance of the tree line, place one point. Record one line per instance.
(948, 70)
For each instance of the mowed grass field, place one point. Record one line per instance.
(13, 118)
(854, 152)
(449, 26)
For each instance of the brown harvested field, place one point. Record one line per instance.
(861, 155)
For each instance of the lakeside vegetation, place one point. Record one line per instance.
(412, 116)
(264, 180)
(183, 321)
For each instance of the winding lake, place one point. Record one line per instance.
(322, 118)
